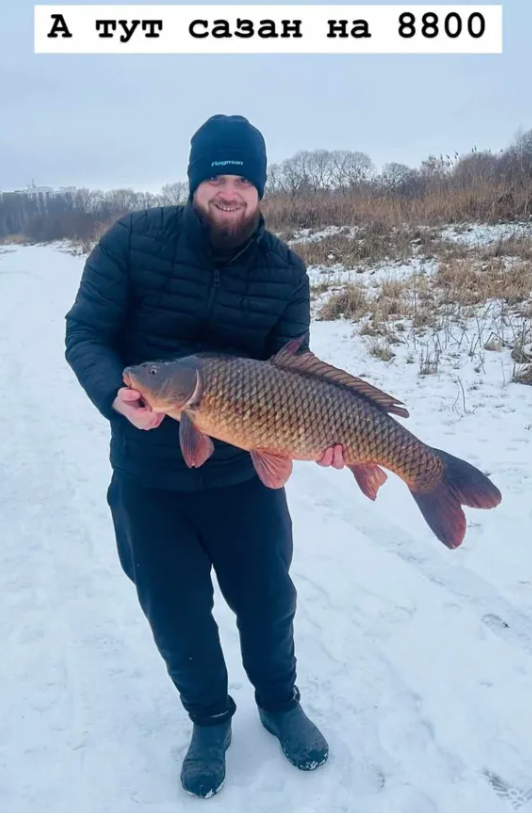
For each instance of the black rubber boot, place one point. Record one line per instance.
(203, 770)
(302, 742)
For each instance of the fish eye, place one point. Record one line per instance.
(153, 369)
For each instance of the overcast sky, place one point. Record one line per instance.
(126, 121)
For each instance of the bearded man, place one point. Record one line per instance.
(166, 282)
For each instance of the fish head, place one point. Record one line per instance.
(164, 385)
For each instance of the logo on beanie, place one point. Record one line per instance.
(224, 163)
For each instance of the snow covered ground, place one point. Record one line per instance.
(484, 234)
(414, 660)
(373, 274)
(472, 234)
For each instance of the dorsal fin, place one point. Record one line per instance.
(309, 364)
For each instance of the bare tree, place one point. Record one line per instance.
(395, 177)
(174, 194)
(475, 169)
(350, 169)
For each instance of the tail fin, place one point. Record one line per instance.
(461, 484)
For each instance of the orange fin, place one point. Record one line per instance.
(461, 484)
(308, 363)
(369, 477)
(195, 445)
(272, 469)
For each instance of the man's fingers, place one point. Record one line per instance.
(338, 458)
(127, 394)
(333, 456)
(326, 460)
(151, 421)
(156, 419)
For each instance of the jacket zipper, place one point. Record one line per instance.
(214, 288)
(216, 280)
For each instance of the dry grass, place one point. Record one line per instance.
(319, 288)
(15, 240)
(429, 361)
(86, 244)
(496, 294)
(372, 244)
(377, 243)
(392, 300)
(351, 302)
(381, 349)
(519, 247)
(487, 202)
(523, 376)
(466, 282)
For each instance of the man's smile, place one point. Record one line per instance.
(223, 208)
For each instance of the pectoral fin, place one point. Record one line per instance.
(272, 469)
(370, 478)
(195, 445)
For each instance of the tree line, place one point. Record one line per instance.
(310, 188)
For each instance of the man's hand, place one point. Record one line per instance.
(333, 456)
(128, 404)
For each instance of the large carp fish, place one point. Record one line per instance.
(293, 406)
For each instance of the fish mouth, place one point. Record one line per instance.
(126, 377)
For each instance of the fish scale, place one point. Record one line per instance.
(257, 406)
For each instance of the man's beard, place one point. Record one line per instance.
(228, 236)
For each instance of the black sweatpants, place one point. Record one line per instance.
(168, 542)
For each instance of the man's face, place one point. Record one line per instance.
(230, 205)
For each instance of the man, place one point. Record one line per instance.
(166, 282)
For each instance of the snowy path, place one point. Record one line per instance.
(414, 660)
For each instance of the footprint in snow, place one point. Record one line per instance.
(498, 626)
(518, 798)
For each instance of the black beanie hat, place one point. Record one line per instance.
(227, 145)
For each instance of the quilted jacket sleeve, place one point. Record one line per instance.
(295, 319)
(97, 316)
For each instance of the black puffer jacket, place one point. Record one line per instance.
(151, 289)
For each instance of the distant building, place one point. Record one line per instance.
(36, 191)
